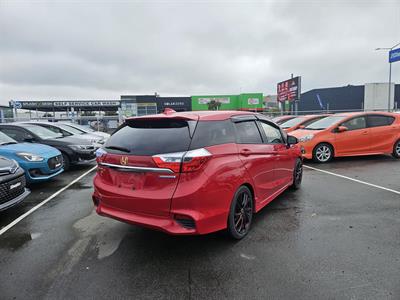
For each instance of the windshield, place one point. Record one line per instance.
(70, 129)
(5, 139)
(42, 132)
(293, 122)
(80, 127)
(325, 123)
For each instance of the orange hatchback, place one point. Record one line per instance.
(351, 134)
(300, 122)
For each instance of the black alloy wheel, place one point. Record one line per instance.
(241, 213)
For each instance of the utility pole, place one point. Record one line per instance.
(390, 72)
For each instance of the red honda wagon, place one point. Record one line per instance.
(195, 172)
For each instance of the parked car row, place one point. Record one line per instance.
(200, 172)
(39, 151)
(323, 137)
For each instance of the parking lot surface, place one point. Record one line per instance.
(332, 239)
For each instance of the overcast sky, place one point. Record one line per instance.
(102, 49)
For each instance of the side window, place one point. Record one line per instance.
(273, 134)
(64, 133)
(355, 123)
(377, 120)
(247, 133)
(54, 129)
(209, 133)
(17, 134)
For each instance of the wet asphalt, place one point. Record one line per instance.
(332, 239)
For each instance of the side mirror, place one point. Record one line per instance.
(342, 129)
(292, 140)
(302, 127)
(29, 139)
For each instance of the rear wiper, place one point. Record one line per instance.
(118, 148)
(8, 143)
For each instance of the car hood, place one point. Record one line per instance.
(101, 134)
(303, 132)
(69, 140)
(29, 147)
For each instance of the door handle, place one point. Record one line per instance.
(365, 132)
(245, 152)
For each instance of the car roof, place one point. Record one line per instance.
(363, 113)
(197, 115)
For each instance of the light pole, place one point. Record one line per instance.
(390, 71)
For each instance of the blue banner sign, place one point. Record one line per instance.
(394, 55)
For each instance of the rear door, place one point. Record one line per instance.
(128, 178)
(356, 140)
(382, 133)
(257, 157)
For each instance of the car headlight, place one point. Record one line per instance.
(306, 138)
(81, 147)
(30, 156)
(100, 141)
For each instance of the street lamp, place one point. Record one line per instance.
(390, 70)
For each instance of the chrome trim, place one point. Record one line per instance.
(167, 176)
(137, 169)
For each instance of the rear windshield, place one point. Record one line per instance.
(150, 137)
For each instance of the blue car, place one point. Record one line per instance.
(40, 162)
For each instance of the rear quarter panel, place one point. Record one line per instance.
(206, 195)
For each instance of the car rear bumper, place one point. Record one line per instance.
(165, 224)
(191, 220)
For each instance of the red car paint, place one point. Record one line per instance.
(193, 196)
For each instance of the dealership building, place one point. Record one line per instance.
(372, 96)
(139, 105)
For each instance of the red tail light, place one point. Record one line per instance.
(190, 161)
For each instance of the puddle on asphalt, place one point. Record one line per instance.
(107, 233)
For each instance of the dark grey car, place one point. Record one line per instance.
(12, 183)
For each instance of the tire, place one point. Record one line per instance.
(66, 161)
(240, 213)
(396, 149)
(297, 174)
(323, 153)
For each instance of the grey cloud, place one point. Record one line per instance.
(74, 49)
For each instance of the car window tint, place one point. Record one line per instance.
(17, 134)
(355, 123)
(247, 133)
(376, 120)
(272, 134)
(150, 137)
(210, 133)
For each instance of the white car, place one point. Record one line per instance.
(65, 130)
(89, 130)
